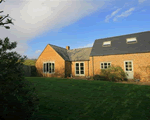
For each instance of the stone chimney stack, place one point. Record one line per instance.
(68, 47)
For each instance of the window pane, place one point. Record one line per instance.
(130, 68)
(49, 67)
(126, 69)
(49, 64)
(129, 63)
(52, 65)
(77, 68)
(105, 66)
(105, 63)
(44, 67)
(109, 64)
(77, 64)
(81, 68)
(77, 72)
(101, 65)
(82, 72)
(126, 63)
(81, 64)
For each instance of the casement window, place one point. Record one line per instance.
(79, 68)
(105, 65)
(131, 40)
(107, 44)
(49, 67)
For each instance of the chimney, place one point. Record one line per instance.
(68, 47)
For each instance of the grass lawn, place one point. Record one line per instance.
(69, 99)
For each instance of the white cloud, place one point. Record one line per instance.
(141, 1)
(38, 51)
(112, 14)
(88, 45)
(32, 18)
(124, 14)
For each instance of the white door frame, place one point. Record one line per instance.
(131, 66)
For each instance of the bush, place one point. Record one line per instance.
(18, 98)
(114, 73)
(98, 77)
(33, 71)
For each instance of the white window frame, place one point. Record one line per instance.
(79, 69)
(103, 65)
(48, 66)
(106, 44)
(133, 40)
(125, 65)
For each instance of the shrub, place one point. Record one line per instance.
(114, 73)
(18, 98)
(33, 71)
(96, 77)
(99, 77)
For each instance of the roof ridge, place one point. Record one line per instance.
(57, 46)
(80, 48)
(121, 35)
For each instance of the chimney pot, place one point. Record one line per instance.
(68, 47)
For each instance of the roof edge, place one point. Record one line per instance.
(57, 52)
(121, 54)
(121, 35)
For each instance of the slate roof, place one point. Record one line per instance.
(73, 54)
(61, 51)
(119, 45)
(79, 54)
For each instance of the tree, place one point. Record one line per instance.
(2, 18)
(18, 98)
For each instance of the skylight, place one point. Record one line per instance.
(131, 40)
(107, 43)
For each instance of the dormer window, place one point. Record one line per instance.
(131, 40)
(106, 44)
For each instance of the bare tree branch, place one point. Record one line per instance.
(4, 23)
(9, 21)
(2, 1)
(4, 17)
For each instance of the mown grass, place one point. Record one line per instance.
(69, 99)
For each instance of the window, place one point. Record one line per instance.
(131, 40)
(49, 67)
(106, 44)
(79, 68)
(105, 65)
(128, 66)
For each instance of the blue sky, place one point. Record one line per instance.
(73, 22)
